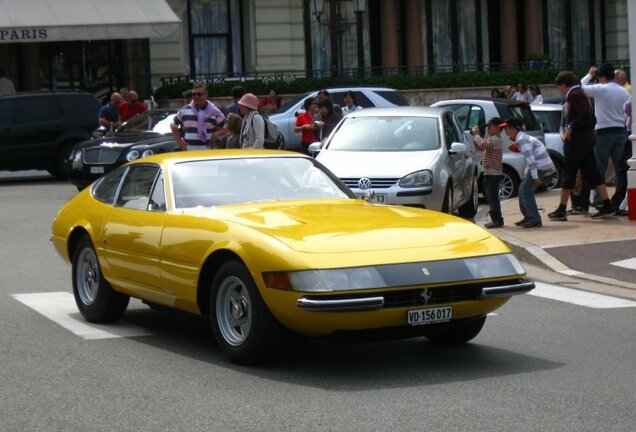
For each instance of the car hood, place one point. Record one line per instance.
(126, 140)
(345, 226)
(376, 164)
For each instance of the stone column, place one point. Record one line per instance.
(509, 55)
(414, 52)
(29, 66)
(533, 27)
(388, 31)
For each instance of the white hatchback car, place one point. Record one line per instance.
(366, 97)
(549, 116)
(411, 156)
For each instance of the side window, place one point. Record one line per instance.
(477, 116)
(105, 188)
(450, 134)
(5, 114)
(363, 100)
(135, 190)
(82, 108)
(158, 197)
(37, 110)
(462, 114)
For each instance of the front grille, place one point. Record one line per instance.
(376, 183)
(414, 297)
(101, 155)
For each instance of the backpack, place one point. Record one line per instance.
(274, 140)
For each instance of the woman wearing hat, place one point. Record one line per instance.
(253, 130)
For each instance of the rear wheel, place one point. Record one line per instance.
(243, 326)
(509, 186)
(95, 298)
(555, 180)
(58, 167)
(456, 334)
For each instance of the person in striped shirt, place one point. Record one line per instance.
(200, 121)
(492, 163)
(538, 167)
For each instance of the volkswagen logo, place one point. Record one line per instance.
(364, 183)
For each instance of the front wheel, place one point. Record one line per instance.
(243, 326)
(509, 185)
(469, 209)
(456, 334)
(96, 300)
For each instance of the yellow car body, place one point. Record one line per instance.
(169, 257)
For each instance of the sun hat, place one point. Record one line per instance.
(249, 100)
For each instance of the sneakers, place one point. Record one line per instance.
(531, 224)
(558, 215)
(622, 213)
(606, 211)
(521, 222)
(578, 211)
(491, 225)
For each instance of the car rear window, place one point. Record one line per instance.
(393, 97)
(519, 110)
(550, 120)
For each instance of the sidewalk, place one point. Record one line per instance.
(530, 245)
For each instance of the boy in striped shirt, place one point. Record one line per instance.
(492, 163)
(538, 166)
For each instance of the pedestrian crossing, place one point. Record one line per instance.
(628, 263)
(60, 308)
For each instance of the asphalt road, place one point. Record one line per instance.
(539, 364)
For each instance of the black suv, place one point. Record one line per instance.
(39, 129)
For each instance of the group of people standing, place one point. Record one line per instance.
(530, 94)
(123, 106)
(321, 116)
(201, 125)
(591, 136)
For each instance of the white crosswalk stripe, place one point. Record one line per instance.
(580, 298)
(60, 308)
(628, 263)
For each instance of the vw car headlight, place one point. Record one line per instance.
(132, 155)
(417, 179)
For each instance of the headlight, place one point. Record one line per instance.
(396, 275)
(77, 160)
(132, 155)
(147, 153)
(417, 179)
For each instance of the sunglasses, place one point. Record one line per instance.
(197, 93)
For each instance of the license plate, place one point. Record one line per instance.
(377, 198)
(97, 170)
(429, 315)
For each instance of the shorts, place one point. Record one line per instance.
(580, 159)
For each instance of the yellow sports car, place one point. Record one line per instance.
(268, 241)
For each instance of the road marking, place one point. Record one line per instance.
(628, 263)
(580, 298)
(60, 308)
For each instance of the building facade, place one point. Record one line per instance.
(234, 39)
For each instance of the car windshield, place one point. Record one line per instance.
(386, 134)
(208, 183)
(550, 120)
(153, 121)
(289, 105)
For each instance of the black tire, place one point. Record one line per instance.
(469, 209)
(244, 328)
(96, 300)
(509, 186)
(456, 334)
(447, 205)
(58, 168)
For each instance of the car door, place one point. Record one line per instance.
(6, 133)
(39, 123)
(132, 231)
(459, 164)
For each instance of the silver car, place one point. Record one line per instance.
(411, 156)
(366, 97)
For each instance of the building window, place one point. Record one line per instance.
(214, 37)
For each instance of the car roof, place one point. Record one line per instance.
(40, 93)
(486, 99)
(399, 111)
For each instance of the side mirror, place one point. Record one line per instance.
(458, 148)
(314, 148)
(100, 132)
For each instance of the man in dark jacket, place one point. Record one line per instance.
(578, 147)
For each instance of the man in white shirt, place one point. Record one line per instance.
(609, 98)
(6, 85)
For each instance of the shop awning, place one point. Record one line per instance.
(73, 20)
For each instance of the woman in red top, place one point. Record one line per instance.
(305, 125)
(269, 104)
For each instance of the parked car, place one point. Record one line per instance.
(411, 156)
(476, 111)
(144, 135)
(549, 116)
(241, 236)
(39, 129)
(366, 97)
